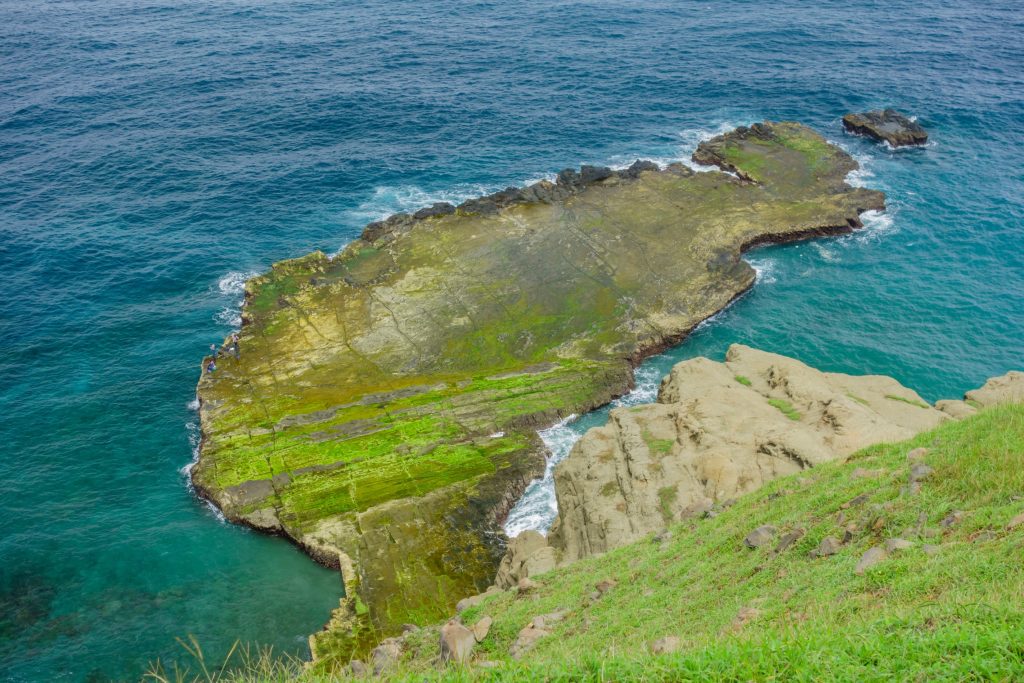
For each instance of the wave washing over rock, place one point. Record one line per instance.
(384, 406)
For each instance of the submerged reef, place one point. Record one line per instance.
(383, 410)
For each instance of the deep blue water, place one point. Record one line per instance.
(154, 152)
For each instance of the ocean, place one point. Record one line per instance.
(155, 153)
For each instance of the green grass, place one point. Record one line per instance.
(918, 404)
(957, 615)
(745, 381)
(785, 407)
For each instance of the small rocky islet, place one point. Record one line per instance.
(383, 411)
(886, 125)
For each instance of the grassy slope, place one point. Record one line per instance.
(957, 615)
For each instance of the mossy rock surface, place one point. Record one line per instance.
(386, 400)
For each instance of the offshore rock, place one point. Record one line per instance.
(717, 431)
(886, 125)
(383, 412)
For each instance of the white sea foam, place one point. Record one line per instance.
(388, 200)
(232, 288)
(537, 508)
(826, 253)
(234, 282)
(194, 438)
(690, 138)
(765, 269)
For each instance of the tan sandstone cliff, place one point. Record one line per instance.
(719, 430)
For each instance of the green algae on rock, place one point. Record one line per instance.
(383, 412)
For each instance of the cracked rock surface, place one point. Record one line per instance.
(384, 408)
(719, 430)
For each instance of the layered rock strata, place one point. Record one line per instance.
(717, 431)
(382, 413)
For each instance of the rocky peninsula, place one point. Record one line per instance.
(383, 411)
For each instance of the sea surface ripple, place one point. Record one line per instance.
(154, 153)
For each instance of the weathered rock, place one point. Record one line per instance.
(862, 473)
(788, 540)
(952, 518)
(456, 642)
(930, 549)
(920, 471)
(526, 639)
(359, 419)
(482, 628)
(856, 501)
(886, 125)
(605, 585)
(474, 600)
(1016, 521)
(917, 454)
(893, 545)
(762, 535)
(956, 409)
(525, 586)
(358, 668)
(711, 437)
(386, 655)
(1008, 388)
(829, 546)
(869, 559)
(528, 554)
(438, 209)
(666, 645)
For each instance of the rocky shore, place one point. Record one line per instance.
(384, 408)
(718, 431)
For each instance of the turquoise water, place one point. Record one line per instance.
(152, 153)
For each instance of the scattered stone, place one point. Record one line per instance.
(952, 518)
(526, 585)
(919, 472)
(472, 601)
(854, 502)
(409, 628)
(606, 585)
(879, 524)
(666, 645)
(527, 638)
(663, 536)
(829, 546)
(982, 536)
(917, 455)
(789, 539)
(648, 593)
(488, 664)
(456, 642)
(482, 628)
(358, 667)
(869, 559)
(1016, 521)
(862, 473)
(886, 125)
(385, 655)
(760, 536)
(930, 549)
(745, 616)
(895, 544)
(930, 532)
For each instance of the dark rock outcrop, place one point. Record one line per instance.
(886, 125)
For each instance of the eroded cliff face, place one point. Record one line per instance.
(719, 430)
(382, 413)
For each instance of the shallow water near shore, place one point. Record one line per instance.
(153, 154)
